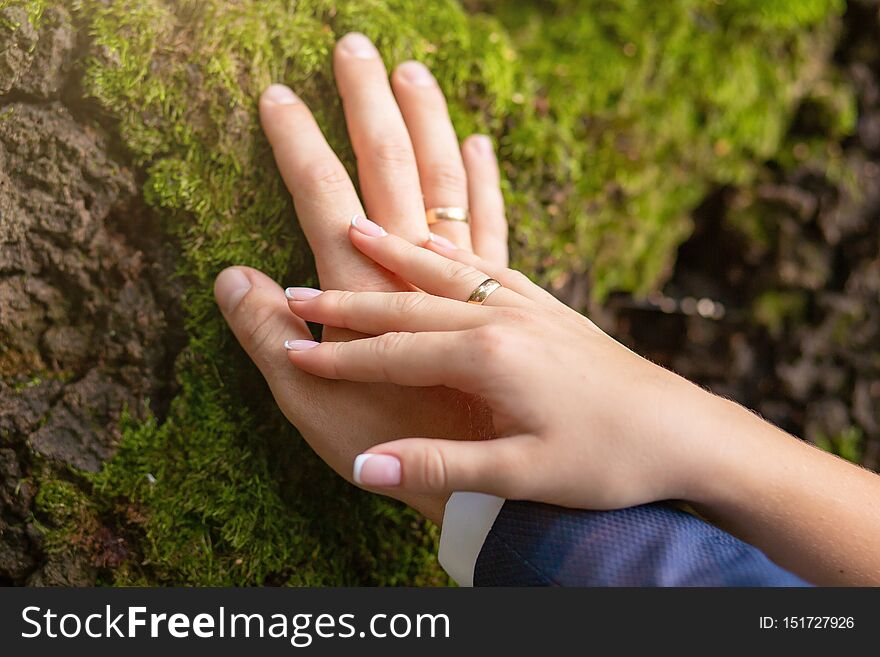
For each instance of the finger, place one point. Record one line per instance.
(389, 178)
(441, 170)
(488, 223)
(407, 359)
(505, 467)
(427, 270)
(255, 308)
(509, 278)
(374, 313)
(323, 194)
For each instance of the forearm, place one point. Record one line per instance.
(811, 512)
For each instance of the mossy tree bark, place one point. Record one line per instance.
(138, 443)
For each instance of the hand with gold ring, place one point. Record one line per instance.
(581, 421)
(409, 163)
(565, 397)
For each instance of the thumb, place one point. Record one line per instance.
(501, 466)
(257, 312)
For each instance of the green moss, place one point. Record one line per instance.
(70, 515)
(649, 104)
(847, 444)
(229, 494)
(612, 120)
(773, 309)
(33, 11)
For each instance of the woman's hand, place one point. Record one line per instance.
(582, 420)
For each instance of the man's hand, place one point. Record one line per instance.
(408, 160)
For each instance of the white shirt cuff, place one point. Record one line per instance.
(466, 523)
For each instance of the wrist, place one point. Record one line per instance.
(737, 450)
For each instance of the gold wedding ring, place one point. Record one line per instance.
(433, 215)
(483, 291)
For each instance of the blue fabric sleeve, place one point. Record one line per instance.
(534, 544)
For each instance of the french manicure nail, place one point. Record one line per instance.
(300, 345)
(280, 95)
(358, 45)
(301, 293)
(380, 470)
(363, 225)
(416, 73)
(441, 241)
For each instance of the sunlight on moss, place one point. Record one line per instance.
(649, 104)
(612, 120)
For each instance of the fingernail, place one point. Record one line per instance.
(358, 45)
(482, 144)
(441, 241)
(300, 345)
(301, 293)
(280, 95)
(376, 470)
(231, 285)
(416, 73)
(363, 225)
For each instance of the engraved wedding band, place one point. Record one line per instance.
(483, 291)
(433, 215)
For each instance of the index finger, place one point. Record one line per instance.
(442, 358)
(323, 194)
(427, 270)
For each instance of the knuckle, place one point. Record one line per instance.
(343, 300)
(393, 153)
(492, 344)
(456, 272)
(335, 355)
(516, 316)
(325, 177)
(411, 303)
(389, 342)
(334, 307)
(383, 347)
(490, 338)
(446, 177)
(435, 473)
